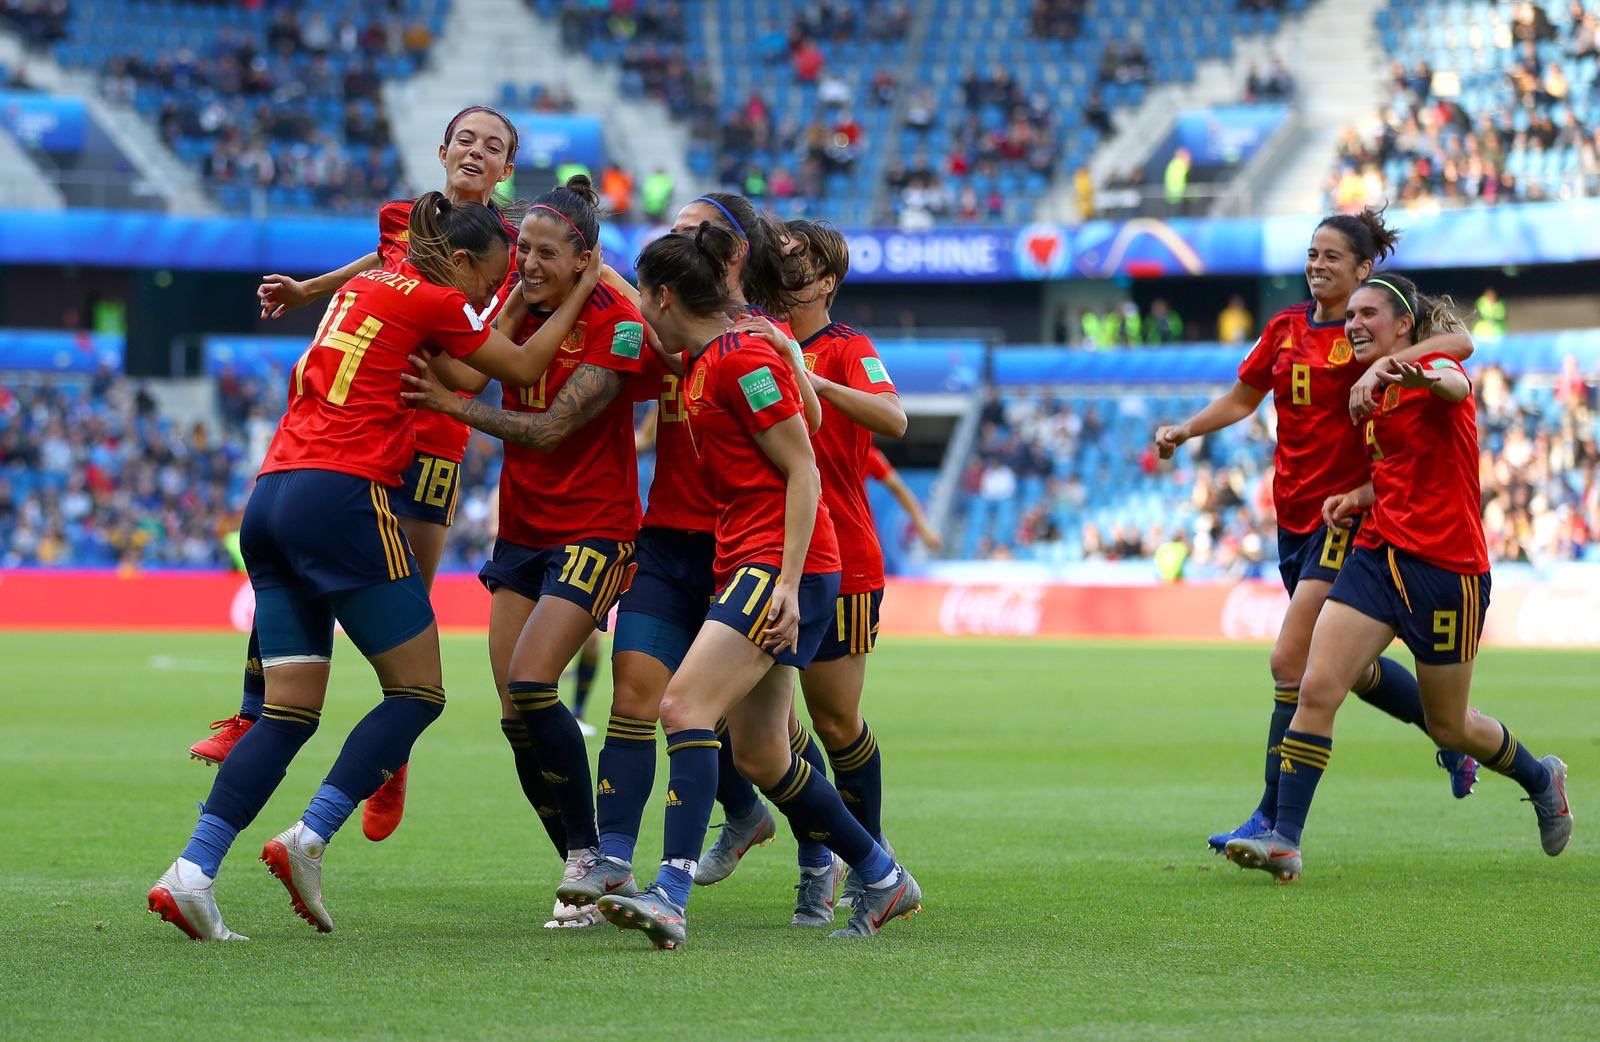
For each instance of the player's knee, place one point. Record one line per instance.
(762, 763)
(1448, 732)
(633, 700)
(1287, 665)
(678, 714)
(835, 730)
(1320, 691)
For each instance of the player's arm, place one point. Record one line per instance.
(644, 436)
(1339, 511)
(908, 502)
(279, 293)
(457, 376)
(584, 396)
(1224, 411)
(811, 405)
(522, 364)
(788, 445)
(878, 413)
(1363, 396)
(1439, 378)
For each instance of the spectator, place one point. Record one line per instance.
(656, 195)
(1163, 326)
(1235, 323)
(616, 186)
(1175, 180)
(1491, 323)
(807, 59)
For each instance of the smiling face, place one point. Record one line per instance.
(1372, 325)
(477, 156)
(1333, 270)
(551, 263)
(481, 277)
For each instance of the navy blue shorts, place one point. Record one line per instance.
(319, 545)
(855, 626)
(1318, 554)
(671, 592)
(743, 605)
(591, 573)
(1437, 613)
(429, 490)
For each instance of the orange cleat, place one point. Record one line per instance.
(381, 814)
(215, 749)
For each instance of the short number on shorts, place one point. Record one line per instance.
(352, 345)
(580, 558)
(1300, 383)
(433, 484)
(1446, 626)
(1334, 547)
(762, 578)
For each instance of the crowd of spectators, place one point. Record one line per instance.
(39, 22)
(1445, 140)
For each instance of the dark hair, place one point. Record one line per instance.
(1369, 237)
(437, 228)
(576, 205)
(763, 278)
(694, 264)
(825, 250)
(511, 146)
(1429, 316)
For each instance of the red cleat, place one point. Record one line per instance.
(215, 749)
(381, 814)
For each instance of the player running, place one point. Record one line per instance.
(1419, 570)
(569, 509)
(1304, 358)
(321, 543)
(777, 571)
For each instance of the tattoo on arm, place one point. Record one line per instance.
(584, 396)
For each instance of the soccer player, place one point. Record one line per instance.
(1419, 570)
(1305, 360)
(776, 569)
(879, 469)
(321, 543)
(569, 508)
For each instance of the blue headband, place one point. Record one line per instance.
(737, 227)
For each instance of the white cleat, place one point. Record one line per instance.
(569, 917)
(294, 856)
(192, 909)
(587, 729)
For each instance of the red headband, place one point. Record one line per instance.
(581, 237)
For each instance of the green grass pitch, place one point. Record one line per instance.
(1053, 799)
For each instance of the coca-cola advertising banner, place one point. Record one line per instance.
(1548, 614)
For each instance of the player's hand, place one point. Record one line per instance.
(930, 538)
(1364, 395)
(422, 388)
(761, 326)
(279, 293)
(1340, 511)
(783, 618)
(1408, 374)
(589, 278)
(1168, 439)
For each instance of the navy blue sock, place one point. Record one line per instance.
(1515, 762)
(330, 808)
(1305, 757)
(809, 853)
(858, 775)
(563, 758)
(247, 779)
(736, 794)
(379, 745)
(541, 797)
(691, 790)
(1285, 700)
(255, 681)
(1394, 690)
(585, 681)
(627, 772)
(814, 808)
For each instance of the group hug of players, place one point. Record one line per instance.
(757, 556)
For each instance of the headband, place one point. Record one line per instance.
(581, 237)
(1392, 288)
(737, 227)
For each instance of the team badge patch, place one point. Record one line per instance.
(1342, 352)
(810, 359)
(697, 385)
(875, 371)
(574, 340)
(760, 389)
(1391, 397)
(628, 338)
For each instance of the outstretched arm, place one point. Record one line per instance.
(1225, 411)
(584, 396)
(279, 293)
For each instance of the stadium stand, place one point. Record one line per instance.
(1488, 103)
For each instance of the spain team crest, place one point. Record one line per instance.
(811, 361)
(1391, 397)
(1342, 352)
(697, 385)
(574, 340)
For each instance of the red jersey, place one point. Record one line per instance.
(737, 388)
(1425, 474)
(437, 434)
(345, 410)
(878, 468)
(679, 498)
(1309, 367)
(844, 450)
(588, 486)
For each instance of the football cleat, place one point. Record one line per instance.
(1555, 814)
(382, 812)
(593, 878)
(852, 882)
(191, 909)
(1270, 853)
(1254, 827)
(652, 913)
(294, 856)
(1463, 771)
(215, 749)
(732, 844)
(586, 729)
(814, 895)
(566, 916)
(876, 905)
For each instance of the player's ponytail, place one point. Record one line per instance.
(437, 228)
(574, 205)
(764, 279)
(1370, 238)
(695, 265)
